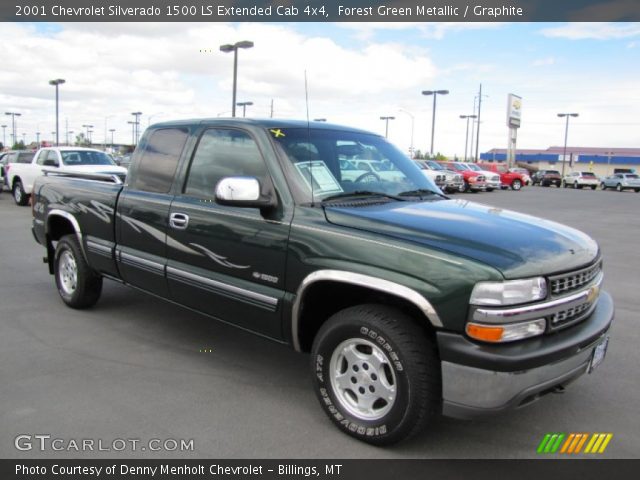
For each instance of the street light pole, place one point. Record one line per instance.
(234, 48)
(133, 133)
(13, 124)
(412, 128)
(112, 130)
(466, 135)
(137, 122)
(87, 127)
(386, 125)
(57, 82)
(435, 93)
(566, 134)
(4, 135)
(244, 107)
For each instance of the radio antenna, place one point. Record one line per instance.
(306, 100)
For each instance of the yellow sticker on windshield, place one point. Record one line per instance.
(277, 132)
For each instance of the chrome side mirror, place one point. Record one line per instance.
(242, 192)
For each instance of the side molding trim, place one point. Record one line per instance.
(360, 280)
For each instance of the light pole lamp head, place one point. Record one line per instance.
(244, 44)
(428, 92)
(243, 104)
(57, 81)
(227, 48)
(442, 92)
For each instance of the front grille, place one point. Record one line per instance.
(495, 179)
(571, 315)
(569, 282)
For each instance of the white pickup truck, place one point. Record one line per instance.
(58, 159)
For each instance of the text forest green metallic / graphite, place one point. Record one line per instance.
(272, 269)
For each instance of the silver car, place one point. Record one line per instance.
(622, 181)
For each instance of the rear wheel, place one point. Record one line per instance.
(593, 187)
(376, 373)
(78, 284)
(618, 187)
(19, 195)
(516, 185)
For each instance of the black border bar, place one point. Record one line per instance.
(582, 469)
(320, 11)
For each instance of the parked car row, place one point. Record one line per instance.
(580, 179)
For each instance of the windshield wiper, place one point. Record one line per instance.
(363, 193)
(420, 192)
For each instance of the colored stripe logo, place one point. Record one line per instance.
(574, 443)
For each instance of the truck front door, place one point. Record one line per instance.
(228, 262)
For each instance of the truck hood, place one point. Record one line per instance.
(516, 244)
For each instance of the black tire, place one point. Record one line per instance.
(516, 185)
(593, 187)
(564, 184)
(78, 284)
(637, 190)
(618, 188)
(490, 189)
(407, 363)
(19, 195)
(603, 186)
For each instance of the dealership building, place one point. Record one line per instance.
(601, 161)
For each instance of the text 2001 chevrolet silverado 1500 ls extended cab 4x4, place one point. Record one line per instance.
(410, 303)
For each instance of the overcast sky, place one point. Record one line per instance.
(356, 73)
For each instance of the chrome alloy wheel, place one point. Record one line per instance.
(68, 272)
(363, 379)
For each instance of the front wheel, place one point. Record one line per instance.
(376, 373)
(618, 188)
(603, 186)
(78, 284)
(593, 187)
(516, 185)
(19, 195)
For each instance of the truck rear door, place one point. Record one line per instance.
(143, 210)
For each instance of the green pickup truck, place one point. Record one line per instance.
(410, 304)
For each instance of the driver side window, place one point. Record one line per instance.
(223, 153)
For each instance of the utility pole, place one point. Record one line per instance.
(478, 131)
(271, 114)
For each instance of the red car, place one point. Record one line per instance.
(473, 181)
(513, 180)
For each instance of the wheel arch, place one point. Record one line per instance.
(58, 224)
(310, 308)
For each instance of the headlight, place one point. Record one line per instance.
(507, 332)
(510, 292)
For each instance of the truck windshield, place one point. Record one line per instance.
(72, 158)
(335, 162)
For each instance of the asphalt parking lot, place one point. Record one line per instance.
(134, 367)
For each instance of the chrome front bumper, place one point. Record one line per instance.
(508, 377)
